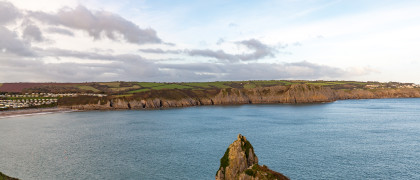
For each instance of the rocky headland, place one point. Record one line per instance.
(240, 163)
(293, 94)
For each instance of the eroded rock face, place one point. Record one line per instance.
(296, 93)
(241, 163)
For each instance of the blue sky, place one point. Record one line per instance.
(97, 40)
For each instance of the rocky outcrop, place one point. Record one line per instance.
(296, 93)
(240, 163)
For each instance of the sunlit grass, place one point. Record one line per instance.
(87, 88)
(172, 86)
(111, 84)
(138, 91)
(125, 88)
(150, 84)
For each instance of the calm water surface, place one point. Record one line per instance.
(358, 139)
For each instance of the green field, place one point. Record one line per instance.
(150, 84)
(88, 88)
(126, 88)
(111, 84)
(138, 91)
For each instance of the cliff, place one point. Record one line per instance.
(240, 162)
(296, 93)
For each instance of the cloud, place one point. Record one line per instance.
(55, 52)
(160, 51)
(131, 67)
(232, 25)
(60, 31)
(260, 71)
(220, 41)
(259, 49)
(33, 33)
(99, 24)
(8, 12)
(219, 54)
(35, 70)
(21, 61)
(10, 43)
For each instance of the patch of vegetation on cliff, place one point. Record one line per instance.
(82, 100)
(271, 174)
(265, 172)
(246, 147)
(175, 94)
(224, 161)
(250, 172)
(5, 177)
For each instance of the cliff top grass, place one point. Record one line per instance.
(88, 88)
(124, 88)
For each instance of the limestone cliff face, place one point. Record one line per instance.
(241, 163)
(297, 93)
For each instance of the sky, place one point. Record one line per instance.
(218, 40)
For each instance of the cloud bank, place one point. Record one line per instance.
(27, 54)
(98, 23)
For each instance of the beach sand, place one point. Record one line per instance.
(30, 112)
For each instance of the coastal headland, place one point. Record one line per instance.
(149, 95)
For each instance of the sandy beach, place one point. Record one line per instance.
(30, 112)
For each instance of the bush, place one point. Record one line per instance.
(250, 172)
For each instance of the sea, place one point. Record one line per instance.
(349, 139)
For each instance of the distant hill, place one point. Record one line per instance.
(138, 95)
(22, 87)
(128, 88)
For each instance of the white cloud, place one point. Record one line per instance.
(88, 35)
(98, 24)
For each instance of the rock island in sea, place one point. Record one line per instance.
(240, 163)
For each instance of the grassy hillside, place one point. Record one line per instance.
(130, 88)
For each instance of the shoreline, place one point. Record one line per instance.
(31, 112)
(42, 111)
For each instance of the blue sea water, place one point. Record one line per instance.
(352, 139)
